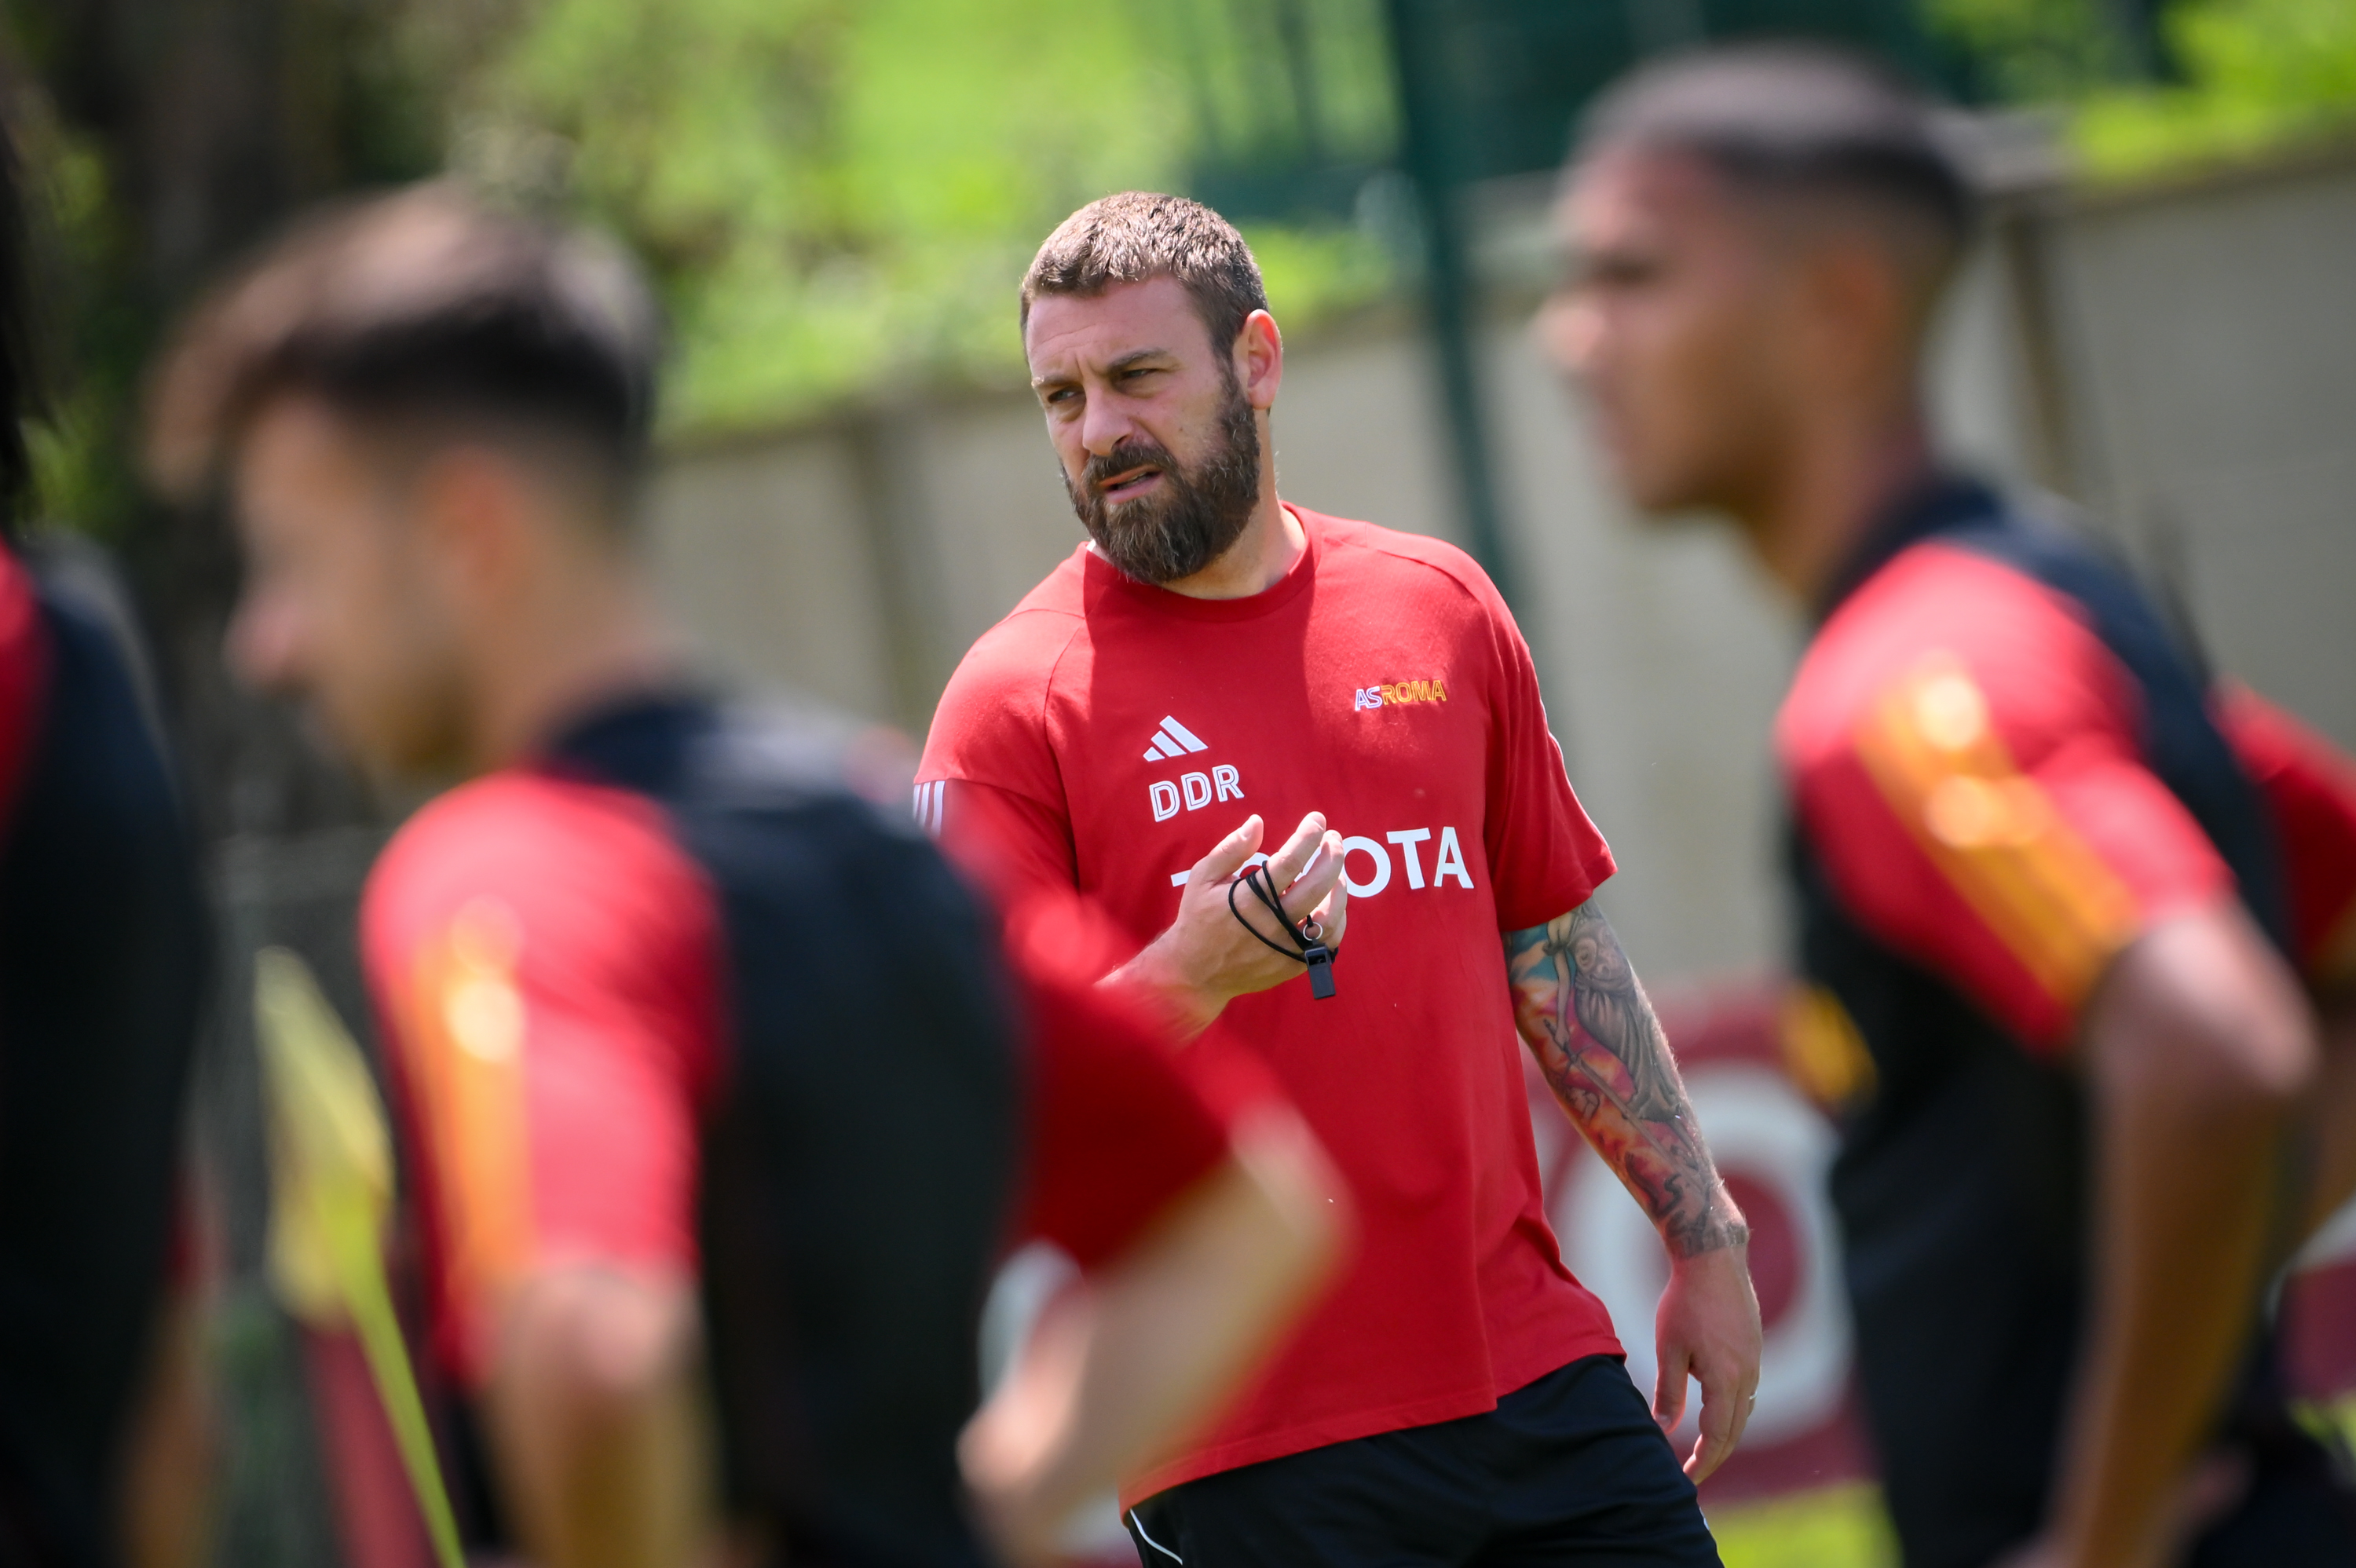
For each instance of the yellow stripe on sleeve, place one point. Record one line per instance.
(467, 1019)
(1823, 1050)
(1992, 831)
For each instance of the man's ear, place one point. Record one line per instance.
(473, 512)
(1860, 310)
(1260, 359)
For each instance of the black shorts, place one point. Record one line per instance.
(1569, 1469)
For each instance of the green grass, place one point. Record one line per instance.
(1843, 1526)
(1839, 1527)
(2333, 1424)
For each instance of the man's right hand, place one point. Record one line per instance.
(1205, 960)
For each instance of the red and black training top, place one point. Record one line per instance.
(102, 958)
(2004, 767)
(671, 999)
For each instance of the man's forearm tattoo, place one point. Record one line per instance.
(1577, 1002)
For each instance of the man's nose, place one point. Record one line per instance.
(1104, 425)
(1571, 331)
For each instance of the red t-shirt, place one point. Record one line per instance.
(547, 966)
(1968, 757)
(1107, 734)
(24, 671)
(2310, 788)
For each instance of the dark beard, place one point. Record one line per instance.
(1199, 513)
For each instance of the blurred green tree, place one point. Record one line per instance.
(839, 197)
(2241, 77)
(836, 196)
(162, 137)
(2258, 73)
(2037, 51)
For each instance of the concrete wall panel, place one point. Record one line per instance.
(1000, 518)
(1663, 654)
(761, 553)
(2205, 352)
(2210, 341)
(1357, 434)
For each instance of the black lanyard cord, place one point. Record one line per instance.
(1308, 949)
(1256, 878)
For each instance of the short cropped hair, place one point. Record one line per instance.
(428, 306)
(1798, 119)
(1136, 235)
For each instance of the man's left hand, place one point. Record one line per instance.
(1707, 1328)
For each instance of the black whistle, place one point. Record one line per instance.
(1320, 959)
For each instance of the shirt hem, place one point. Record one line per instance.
(1597, 868)
(1262, 1446)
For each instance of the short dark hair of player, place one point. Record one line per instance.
(1137, 234)
(426, 311)
(1793, 121)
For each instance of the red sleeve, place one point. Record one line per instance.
(1012, 844)
(24, 674)
(1545, 856)
(1123, 1122)
(1963, 754)
(989, 786)
(544, 962)
(2310, 788)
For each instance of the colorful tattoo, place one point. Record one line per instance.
(1577, 1002)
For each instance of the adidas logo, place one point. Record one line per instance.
(1188, 791)
(1172, 740)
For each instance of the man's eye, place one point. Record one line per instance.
(1061, 395)
(1134, 374)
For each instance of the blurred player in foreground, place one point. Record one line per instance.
(717, 1089)
(103, 947)
(2063, 886)
(1214, 659)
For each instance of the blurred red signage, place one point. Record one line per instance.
(1774, 1145)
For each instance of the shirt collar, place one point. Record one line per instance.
(1940, 504)
(1104, 578)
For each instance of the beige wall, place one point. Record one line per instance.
(2210, 337)
(2201, 381)
(764, 555)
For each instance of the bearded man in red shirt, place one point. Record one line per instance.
(1212, 659)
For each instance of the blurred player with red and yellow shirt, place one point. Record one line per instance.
(723, 1094)
(2066, 905)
